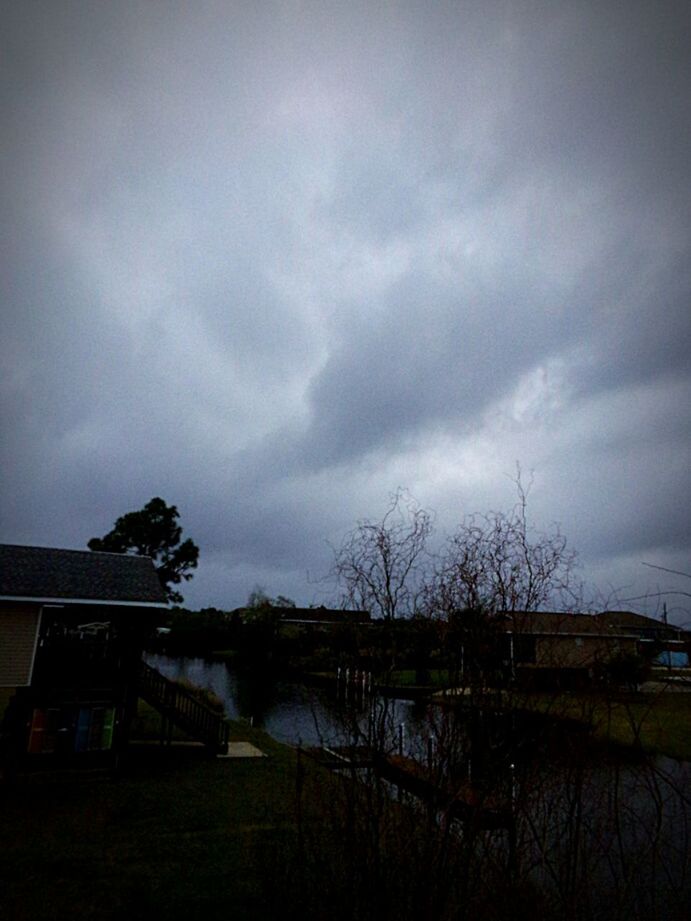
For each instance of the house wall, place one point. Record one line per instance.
(580, 651)
(18, 637)
(5, 697)
(69, 691)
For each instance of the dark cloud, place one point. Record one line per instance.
(271, 263)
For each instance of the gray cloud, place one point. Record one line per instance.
(271, 263)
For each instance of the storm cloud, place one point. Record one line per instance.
(273, 261)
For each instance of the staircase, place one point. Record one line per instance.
(180, 708)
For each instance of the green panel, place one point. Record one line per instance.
(108, 727)
(96, 728)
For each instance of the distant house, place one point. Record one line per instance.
(72, 628)
(657, 639)
(545, 645)
(321, 617)
(542, 647)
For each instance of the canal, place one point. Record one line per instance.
(592, 826)
(290, 711)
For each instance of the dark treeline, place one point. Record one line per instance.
(258, 636)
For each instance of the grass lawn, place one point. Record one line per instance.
(657, 722)
(179, 835)
(407, 677)
(176, 835)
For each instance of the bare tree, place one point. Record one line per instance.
(497, 562)
(583, 837)
(378, 565)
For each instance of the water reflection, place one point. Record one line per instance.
(289, 711)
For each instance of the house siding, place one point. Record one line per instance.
(18, 635)
(581, 651)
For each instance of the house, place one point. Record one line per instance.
(542, 647)
(72, 627)
(321, 617)
(657, 640)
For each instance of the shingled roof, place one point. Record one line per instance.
(322, 615)
(48, 573)
(607, 623)
(556, 623)
(629, 621)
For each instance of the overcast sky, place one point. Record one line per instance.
(272, 260)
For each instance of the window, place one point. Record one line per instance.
(524, 649)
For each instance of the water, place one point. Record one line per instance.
(289, 711)
(603, 832)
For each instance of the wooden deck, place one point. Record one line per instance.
(342, 756)
(463, 801)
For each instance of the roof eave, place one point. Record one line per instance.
(564, 633)
(35, 599)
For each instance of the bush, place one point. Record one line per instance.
(626, 669)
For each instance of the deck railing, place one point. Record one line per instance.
(179, 706)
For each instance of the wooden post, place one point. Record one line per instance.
(513, 854)
(298, 794)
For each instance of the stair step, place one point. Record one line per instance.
(182, 708)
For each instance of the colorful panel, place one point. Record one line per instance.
(108, 728)
(38, 728)
(81, 740)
